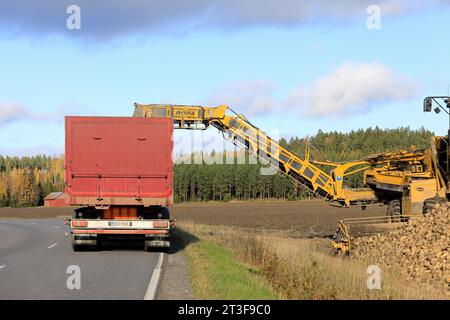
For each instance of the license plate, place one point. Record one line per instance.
(120, 223)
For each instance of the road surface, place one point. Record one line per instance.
(37, 262)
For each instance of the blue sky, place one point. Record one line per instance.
(293, 73)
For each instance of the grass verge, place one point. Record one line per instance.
(217, 274)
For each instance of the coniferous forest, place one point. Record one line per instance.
(25, 181)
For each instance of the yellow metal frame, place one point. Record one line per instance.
(244, 133)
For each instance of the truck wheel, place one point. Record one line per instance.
(148, 248)
(395, 211)
(77, 247)
(99, 245)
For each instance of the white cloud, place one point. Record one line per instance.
(46, 149)
(11, 111)
(251, 98)
(353, 88)
(114, 18)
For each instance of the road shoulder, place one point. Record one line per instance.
(175, 283)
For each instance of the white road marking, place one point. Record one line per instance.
(56, 227)
(2, 267)
(32, 222)
(154, 281)
(51, 246)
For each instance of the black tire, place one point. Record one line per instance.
(156, 249)
(395, 211)
(151, 249)
(77, 247)
(99, 245)
(432, 203)
(86, 247)
(148, 248)
(165, 250)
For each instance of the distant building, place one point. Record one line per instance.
(55, 199)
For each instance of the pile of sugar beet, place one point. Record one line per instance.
(420, 248)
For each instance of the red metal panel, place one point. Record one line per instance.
(54, 203)
(118, 160)
(56, 199)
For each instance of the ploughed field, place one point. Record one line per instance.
(306, 218)
(36, 212)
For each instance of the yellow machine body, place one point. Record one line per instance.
(404, 180)
(410, 177)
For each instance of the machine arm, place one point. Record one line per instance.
(243, 133)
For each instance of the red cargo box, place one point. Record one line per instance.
(119, 161)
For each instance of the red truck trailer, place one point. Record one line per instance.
(120, 171)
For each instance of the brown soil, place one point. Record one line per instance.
(305, 218)
(35, 212)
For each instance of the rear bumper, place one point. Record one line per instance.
(119, 231)
(155, 233)
(92, 237)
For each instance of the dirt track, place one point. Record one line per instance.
(301, 218)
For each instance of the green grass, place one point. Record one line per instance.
(216, 274)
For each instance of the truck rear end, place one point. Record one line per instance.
(120, 171)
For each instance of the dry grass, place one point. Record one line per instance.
(306, 268)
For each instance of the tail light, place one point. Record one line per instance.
(79, 223)
(160, 224)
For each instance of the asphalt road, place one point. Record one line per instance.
(37, 262)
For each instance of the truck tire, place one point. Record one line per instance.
(150, 248)
(77, 247)
(99, 245)
(153, 249)
(394, 211)
(147, 248)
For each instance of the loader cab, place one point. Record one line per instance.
(441, 145)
